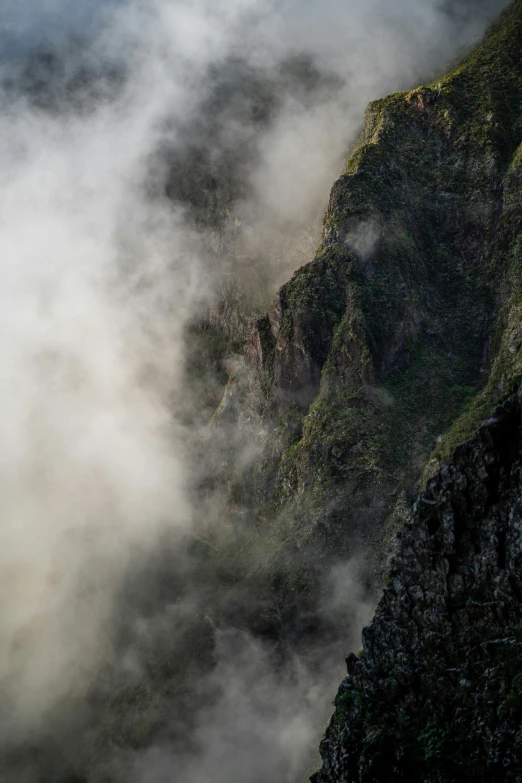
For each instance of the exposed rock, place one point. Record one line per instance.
(437, 692)
(404, 332)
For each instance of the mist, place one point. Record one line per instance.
(114, 242)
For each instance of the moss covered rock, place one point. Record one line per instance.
(404, 331)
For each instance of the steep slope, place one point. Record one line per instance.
(392, 344)
(436, 694)
(402, 333)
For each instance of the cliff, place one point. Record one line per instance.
(435, 694)
(367, 370)
(404, 332)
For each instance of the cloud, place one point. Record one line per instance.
(101, 274)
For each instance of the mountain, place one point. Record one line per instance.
(393, 344)
(434, 696)
(314, 422)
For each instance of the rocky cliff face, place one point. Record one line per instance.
(372, 363)
(436, 693)
(402, 334)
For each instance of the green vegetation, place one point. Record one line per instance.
(405, 331)
(389, 349)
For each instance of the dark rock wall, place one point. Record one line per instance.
(437, 692)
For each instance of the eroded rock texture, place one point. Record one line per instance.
(436, 694)
(404, 332)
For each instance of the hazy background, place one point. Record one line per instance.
(112, 115)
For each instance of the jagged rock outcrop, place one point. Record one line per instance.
(403, 333)
(436, 695)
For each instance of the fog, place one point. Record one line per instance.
(105, 262)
